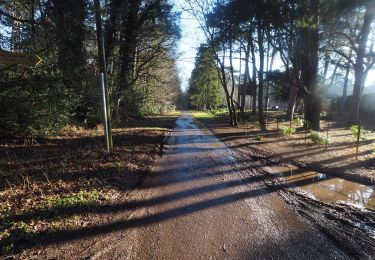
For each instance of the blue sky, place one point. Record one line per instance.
(191, 38)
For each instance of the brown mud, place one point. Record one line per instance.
(342, 208)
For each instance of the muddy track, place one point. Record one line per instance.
(217, 205)
(350, 228)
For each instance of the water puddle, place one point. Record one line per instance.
(327, 188)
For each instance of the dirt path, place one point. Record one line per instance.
(202, 201)
(204, 204)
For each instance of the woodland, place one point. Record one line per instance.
(139, 41)
(57, 182)
(318, 43)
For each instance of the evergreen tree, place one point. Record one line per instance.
(204, 89)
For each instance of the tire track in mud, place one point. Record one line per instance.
(215, 205)
(350, 228)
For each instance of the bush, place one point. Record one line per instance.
(287, 131)
(298, 121)
(148, 109)
(355, 131)
(318, 138)
(37, 106)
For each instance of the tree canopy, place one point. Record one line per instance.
(140, 40)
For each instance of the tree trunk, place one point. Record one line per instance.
(239, 88)
(344, 91)
(254, 80)
(128, 43)
(326, 65)
(359, 68)
(309, 59)
(334, 74)
(69, 18)
(246, 78)
(234, 122)
(269, 68)
(223, 79)
(262, 122)
(293, 92)
(112, 24)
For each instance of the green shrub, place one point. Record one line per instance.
(36, 106)
(148, 109)
(355, 130)
(298, 121)
(318, 138)
(287, 131)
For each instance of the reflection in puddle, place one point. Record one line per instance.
(327, 188)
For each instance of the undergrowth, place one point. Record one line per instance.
(287, 131)
(319, 138)
(355, 132)
(42, 182)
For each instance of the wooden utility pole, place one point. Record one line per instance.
(103, 79)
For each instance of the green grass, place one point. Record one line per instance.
(175, 113)
(202, 115)
(73, 199)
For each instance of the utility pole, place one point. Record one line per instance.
(103, 79)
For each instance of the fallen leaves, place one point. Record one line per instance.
(39, 181)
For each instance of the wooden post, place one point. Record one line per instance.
(358, 139)
(327, 135)
(290, 128)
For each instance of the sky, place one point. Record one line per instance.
(192, 36)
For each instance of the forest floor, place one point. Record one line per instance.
(338, 158)
(56, 184)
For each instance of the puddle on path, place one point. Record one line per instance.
(330, 189)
